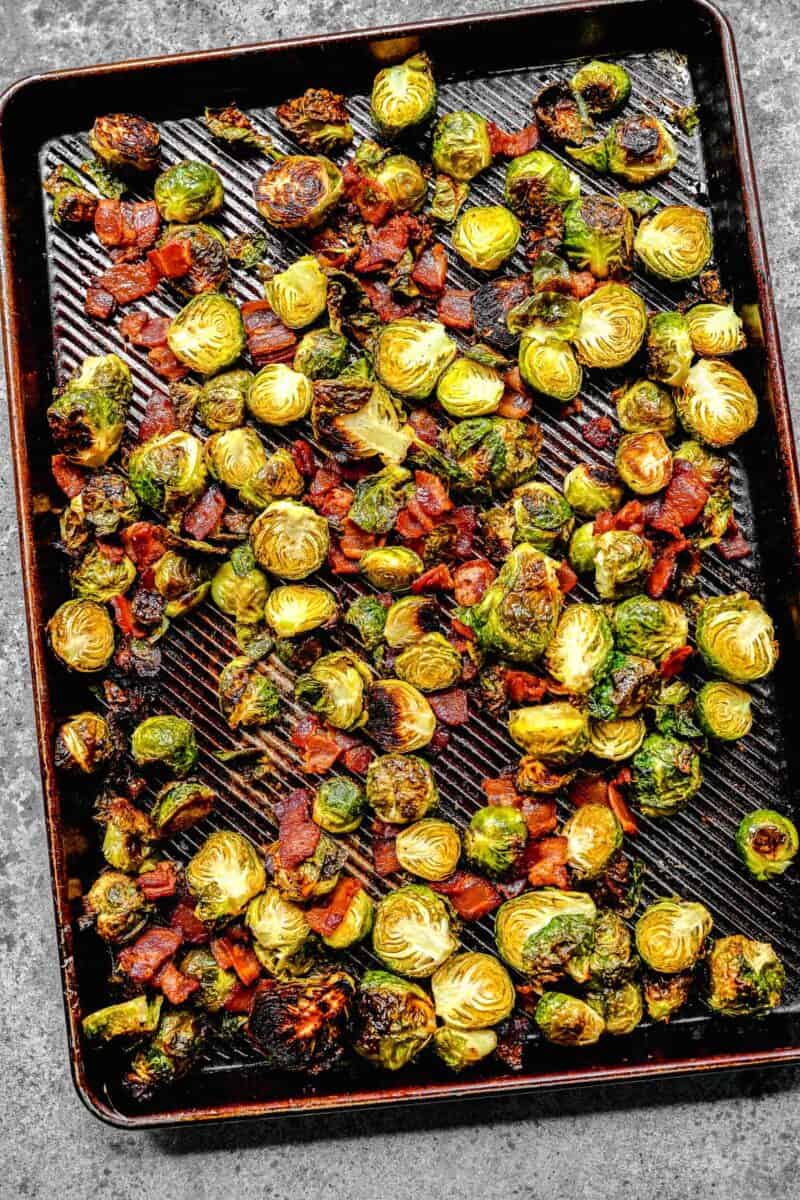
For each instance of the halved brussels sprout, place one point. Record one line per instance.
(613, 324)
(583, 548)
(87, 418)
(603, 86)
(239, 588)
(168, 471)
(675, 243)
(321, 354)
(556, 732)
(495, 838)
(338, 804)
(723, 710)
(279, 395)
(399, 717)
(188, 191)
(167, 740)
(622, 562)
(449, 197)
(538, 932)
(538, 778)
(394, 1020)
(460, 1048)
(361, 419)
(379, 498)
(280, 931)
(355, 924)
(208, 265)
(128, 834)
(541, 516)
(403, 96)
(644, 462)
(461, 145)
(100, 577)
(598, 237)
(335, 686)
(235, 456)
(486, 235)
(546, 314)
(224, 876)
(81, 635)
(221, 400)
(767, 842)
(290, 539)
(745, 978)
(182, 582)
(128, 1019)
(400, 788)
(669, 348)
(105, 503)
(429, 848)
(519, 612)
(296, 608)
(117, 906)
(299, 1025)
(549, 366)
(716, 403)
(391, 568)
(666, 775)
(299, 294)
(469, 389)
(411, 354)
(593, 836)
(590, 490)
(671, 934)
(639, 149)
(651, 628)
(394, 175)
(667, 994)
(169, 1054)
(317, 120)
(368, 617)
(617, 739)
(125, 142)
(83, 744)
(539, 178)
(621, 1008)
(736, 637)
(609, 962)
(178, 806)
(430, 664)
(472, 991)
(299, 191)
(715, 330)
(568, 1021)
(580, 648)
(247, 697)
(645, 405)
(408, 620)
(563, 115)
(216, 984)
(207, 334)
(414, 931)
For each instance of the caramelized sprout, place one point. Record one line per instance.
(468, 389)
(430, 664)
(408, 620)
(495, 451)
(669, 348)
(87, 418)
(486, 235)
(299, 191)
(361, 419)
(568, 1021)
(117, 906)
(335, 687)
(299, 294)
(411, 354)
(628, 684)
(538, 179)
(538, 932)
(666, 775)
(590, 490)
(715, 330)
(644, 462)
(207, 335)
(622, 562)
(563, 114)
(519, 611)
(221, 400)
(461, 145)
(129, 1019)
(399, 717)
(165, 740)
(338, 804)
(290, 539)
(400, 788)
(645, 405)
(168, 472)
(394, 1020)
(556, 732)
(495, 838)
(99, 577)
(178, 806)
(391, 568)
(472, 991)
(235, 456)
(593, 836)
(247, 698)
(579, 651)
(745, 978)
(736, 638)
(460, 1048)
(321, 354)
(278, 395)
(723, 710)
(603, 86)
(217, 985)
(414, 931)
(125, 142)
(239, 588)
(617, 739)
(83, 744)
(429, 848)
(280, 931)
(621, 1008)
(315, 876)
(224, 876)
(671, 934)
(613, 324)
(403, 96)
(318, 120)
(675, 243)
(583, 548)
(651, 628)
(716, 403)
(188, 191)
(598, 237)
(297, 608)
(640, 149)
(767, 843)
(549, 366)
(81, 635)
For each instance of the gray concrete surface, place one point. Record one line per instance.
(732, 1139)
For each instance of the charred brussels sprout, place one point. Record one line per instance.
(495, 838)
(716, 403)
(168, 472)
(568, 1021)
(361, 419)
(429, 848)
(355, 924)
(581, 647)
(675, 243)
(495, 451)
(391, 568)
(411, 354)
(106, 502)
(207, 334)
(598, 237)
(208, 268)
(667, 994)
(318, 120)
(299, 191)
(549, 366)
(395, 176)
(87, 418)
(221, 402)
(538, 932)
(130, 1019)
(335, 686)
(321, 354)
(556, 732)
(368, 617)
(165, 740)
(486, 235)
(583, 548)
(736, 638)
(590, 490)
(408, 620)
(640, 149)
(394, 1020)
(399, 717)
(745, 977)
(538, 179)
(278, 395)
(290, 539)
(671, 934)
(651, 628)
(300, 1025)
(98, 577)
(469, 389)
(81, 635)
(546, 314)
(400, 788)
(247, 698)
(645, 405)
(593, 836)
(379, 498)
(460, 1048)
(519, 612)
(610, 961)
(666, 774)
(644, 462)
(128, 834)
(617, 739)
(603, 86)
(767, 843)
(280, 933)
(338, 804)
(461, 145)
(233, 457)
(715, 330)
(188, 191)
(669, 348)
(403, 96)
(430, 664)
(216, 984)
(73, 205)
(239, 588)
(449, 197)
(170, 1053)
(723, 711)
(542, 517)
(622, 562)
(414, 931)
(472, 991)
(83, 744)
(178, 806)
(224, 876)
(613, 324)
(125, 142)
(621, 1008)
(182, 583)
(297, 608)
(299, 294)
(117, 906)
(563, 114)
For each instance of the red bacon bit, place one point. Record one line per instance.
(99, 303)
(501, 791)
(734, 544)
(326, 918)
(410, 526)
(435, 579)
(357, 759)
(522, 687)
(582, 284)
(69, 478)
(205, 514)
(424, 426)
(165, 364)
(540, 816)
(321, 751)
(189, 928)
(385, 246)
(664, 568)
(455, 309)
(339, 563)
(463, 631)
(144, 543)
(150, 950)
(370, 197)
(221, 949)
(567, 579)
(129, 281)
(619, 807)
(303, 457)
(334, 504)
(384, 303)
(684, 499)
(356, 541)
(268, 339)
(173, 259)
(297, 834)
(159, 417)
(244, 962)
(515, 405)
(124, 618)
(143, 329)
(430, 272)
(431, 494)
(240, 1000)
(588, 789)
(123, 223)
(550, 866)
(176, 986)
(471, 896)
(451, 708)
(512, 145)
(599, 432)
(603, 522)
(674, 662)
(160, 882)
(384, 854)
(471, 579)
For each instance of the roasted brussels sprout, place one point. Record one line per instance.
(290, 539)
(74, 206)
(645, 405)
(129, 1019)
(546, 314)
(400, 788)
(583, 548)
(429, 848)
(378, 499)
(767, 842)
(299, 191)
(169, 1054)
(472, 991)
(537, 180)
(469, 389)
(563, 114)
(609, 961)
(395, 176)
(335, 686)
(83, 744)
(318, 120)
(81, 635)
(168, 471)
(622, 562)
(239, 588)
(598, 237)
(723, 710)
(538, 778)
(671, 934)
(278, 479)
(603, 86)
(368, 617)
(745, 977)
(449, 197)
(299, 294)
(87, 417)
(579, 651)
(716, 403)
(593, 836)
(460, 1048)
(400, 719)
(539, 931)
(519, 612)
(165, 739)
(403, 96)
(461, 145)
(106, 502)
(556, 732)
(188, 191)
(338, 804)
(666, 994)
(408, 620)
(675, 243)
(99, 577)
(128, 835)
(280, 932)
(125, 142)
(178, 806)
(669, 348)
(644, 462)
(247, 697)
(430, 664)
(279, 395)
(391, 568)
(639, 149)
(666, 774)
(411, 354)
(216, 984)
(590, 490)
(235, 456)
(182, 582)
(651, 628)
(568, 1021)
(495, 838)
(495, 451)
(321, 354)
(117, 906)
(414, 931)
(224, 876)
(617, 739)
(297, 608)
(542, 517)
(361, 419)
(613, 324)
(549, 366)
(486, 235)
(355, 924)
(208, 266)
(301, 1025)
(394, 1020)
(621, 1008)
(715, 330)
(221, 400)
(207, 334)
(736, 638)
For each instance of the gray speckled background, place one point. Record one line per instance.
(735, 1138)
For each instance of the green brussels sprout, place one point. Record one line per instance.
(613, 324)
(486, 235)
(83, 744)
(73, 205)
(99, 577)
(582, 550)
(495, 451)
(669, 348)
(178, 806)
(368, 617)
(394, 1020)
(609, 961)
(674, 708)
(279, 395)
(568, 1021)
(460, 1048)
(603, 86)
(542, 517)
(645, 405)
(716, 403)
(408, 620)
(400, 719)
(429, 848)
(129, 1019)
(87, 418)
(335, 686)
(317, 120)
(378, 499)
(449, 197)
(715, 330)
(361, 419)
(290, 539)
(239, 588)
(651, 628)
(549, 366)
(639, 204)
(468, 389)
(563, 114)
(430, 664)
(590, 490)
(125, 142)
(414, 931)
(616, 739)
(165, 739)
(579, 651)
(395, 176)
(556, 732)
(723, 711)
(182, 583)
(403, 96)
(117, 906)
(644, 462)
(247, 698)
(767, 843)
(495, 838)
(461, 145)
(538, 932)
(338, 804)
(81, 635)
(666, 994)
(519, 612)
(208, 267)
(640, 149)
(321, 354)
(188, 191)
(169, 1055)
(666, 774)
(400, 788)
(297, 608)
(299, 191)
(207, 334)
(216, 984)
(280, 931)
(675, 243)
(168, 471)
(745, 978)
(299, 294)
(472, 991)
(107, 502)
(546, 314)
(278, 479)
(235, 456)
(128, 834)
(598, 237)
(539, 178)
(221, 400)
(224, 876)
(355, 924)
(391, 568)
(621, 1008)
(411, 354)
(593, 836)
(671, 934)
(622, 562)
(736, 638)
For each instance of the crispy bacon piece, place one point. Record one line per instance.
(173, 259)
(205, 514)
(159, 417)
(151, 949)
(582, 284)
(303, 456)
(340, 564)
(69, 478)
(244, 962)
(619, 807)
(240, 1000)
(183, 922)
(523, 687)
(143, 329)
(159, 883)
(471, 896)
(540, 815)
(431, 494)
(384, 855)
(176, 986)
(455, 309)
(462, 631)
(588, 789)
(451, 707)
(268, 339)
(513, 1036)
(684, 499)
(165, 364)
(384, 302)
(124, 223)
(435, 579)
(512, 145)
(567, 579)
(412, 523)
(664, 568)
(501, 791)
(424, 426)
(515, 405)
(355, 541)
(99, 303)
(144, 542)
(129, 281)
(734, 544)
(465, 523)
(550, 866)
(471, 579)
(297, 834)
(674, 662)
(599, 432)
(430, 271)
(124, 618)
(220, 947)
(370, 197)
(357, 758)
(326, 918)
(385, 246)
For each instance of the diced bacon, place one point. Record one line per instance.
(221, 949)
(386, 245)
(424, 426)
(159, 417)
(303, 457)
(99, 303)
(129, 281)
(431, 494)
(123, 223)
(603, 522)
(515, 405)
(582, 284)
(240, 1000)
(173, 259)
(684, 499)
(501, 791)
(144, 542)
(189, 927)
(567, 579)
(165, 364)
(540, 816)
(588, 789)
(523, 687)
(146, 222)
(244, 962)
(326, 918)
(463, 631)
(356, 541)
(384, 856)
(455, 309)
(159, 883)
(599, 432)
(465, 521)
(451, 708)
(384, 303)
(339, 563)
(471, 896)
(268, 339)
(734, 544)
(675, 662)
(151, 949)
(435, 579)
(124, 618)
(372, 200)
(619, 807)
(471, 579)
(664, 568)
(143, 329)
(410, 526)
(512, 145)
(176, 986)
(70, 479)
(357, 759)
(550, 867)
(430, 271)
(109, 223)
(297, 834)
(205, 514)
